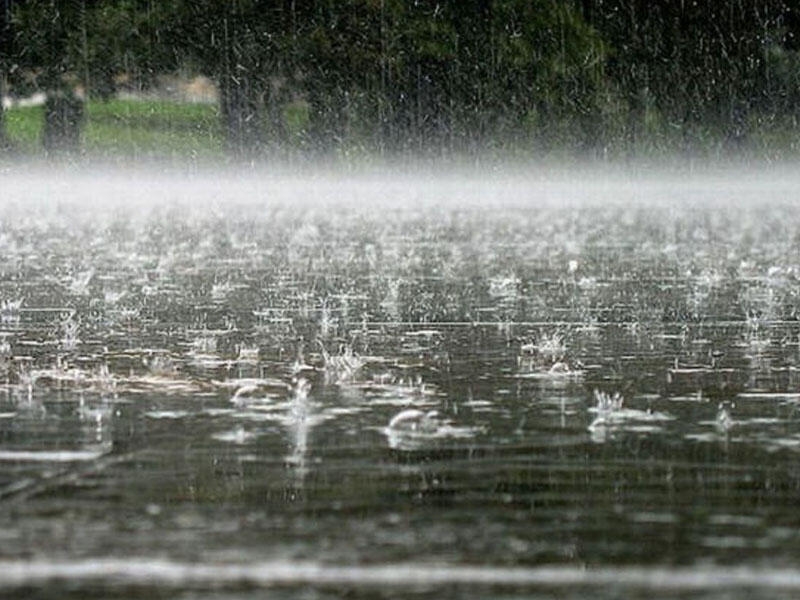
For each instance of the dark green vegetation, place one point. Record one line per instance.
(587, 78)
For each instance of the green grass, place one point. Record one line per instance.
(24, 128)
(130, 128)
(167, 130)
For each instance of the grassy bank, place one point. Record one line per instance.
(136, 129)
(161, 130)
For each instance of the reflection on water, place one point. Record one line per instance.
(278, 394)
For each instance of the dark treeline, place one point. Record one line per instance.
(429, 76)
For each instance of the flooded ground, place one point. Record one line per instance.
(394, 389)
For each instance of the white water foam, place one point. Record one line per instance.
(49, 455)
(163, 573)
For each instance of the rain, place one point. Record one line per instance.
(399, 299)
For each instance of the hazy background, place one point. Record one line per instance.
(378, 81)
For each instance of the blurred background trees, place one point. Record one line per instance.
(430, 77)
(5, 63)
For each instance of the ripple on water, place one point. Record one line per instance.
(414, 429)
(168, 414)
(52, 455)
(238, 435)
(514, 330)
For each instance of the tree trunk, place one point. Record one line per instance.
(4, 143)
(5, 51)
(238, 96)
(63, 116)
(327, 119)
(241, 116)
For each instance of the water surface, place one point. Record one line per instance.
(525, 389)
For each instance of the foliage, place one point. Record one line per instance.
(78, 42)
